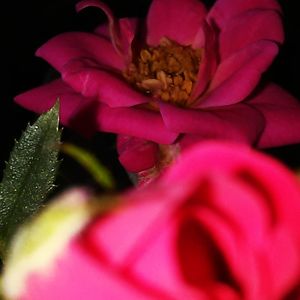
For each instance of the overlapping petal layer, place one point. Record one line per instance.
(134, 122)
(281, 112)
(229, 122)
(164, 16)
(69, 46)
(86, 78)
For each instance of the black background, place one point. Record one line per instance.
(28, 24)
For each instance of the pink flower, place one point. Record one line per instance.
(222, 223)
(182, 75)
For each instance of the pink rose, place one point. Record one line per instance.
(222, 223)
(182, 75)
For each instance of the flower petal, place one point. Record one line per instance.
(129, 27)
(103, 31)
(224, 10)
(136, 154)
(121, 31)
(264, 24)
(157, 263)
(148, 253)
(256, 180)
(75, 111)
(284, 269)
(238, 75)
(282, 113)
(137, 122)
(75, 45)
(207, 40)
(234, 160)
(42, 98)
(226, 123)
(178, 20)
(85, 77)
(78, 275)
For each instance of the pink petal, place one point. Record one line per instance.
(253, 259)
(129, 24)
(75, 111)
(248, 256)
(282, 113)
(148, 253)
(131, 251)
(264, 24)
(136, 154)
(76, 45)
(235, 160)
(78, 276)
(207, 40)
(224, 10)
(237, 253)
(129, 28)
(194, 249)
(137, 122)
(178, 20)
(256, 213)
(238, 75)
(87, 78)
(122, 31)
(226, 156)
(103, 31)
(284, 269)
(109, 237)
(157, 263)
(226, 123)
(42, 98)
(224, 291)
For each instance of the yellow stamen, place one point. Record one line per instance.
(168, 71)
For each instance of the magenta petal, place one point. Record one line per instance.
(137, 122)
(282, 113)
(148, 254)
(78, 275)
(42, 98)
(178, 20)
(128, 28)
(74, 108)
(114, 28)
(226, 123)
(75, 45)
(238, 75)
(264, 24)
(121, 31)
(103, 31)
(224, 10)
(136, 154)
(88, 79)
(207, 40)
(157, 261)
(245, 252)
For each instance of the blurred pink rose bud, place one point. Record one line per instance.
(222, 223)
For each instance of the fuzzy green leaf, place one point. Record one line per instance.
(29, 174)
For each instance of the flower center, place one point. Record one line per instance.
(168, 71)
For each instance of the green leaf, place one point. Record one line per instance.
(29, 174)
(100, 174)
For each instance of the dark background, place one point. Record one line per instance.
(28, 24)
